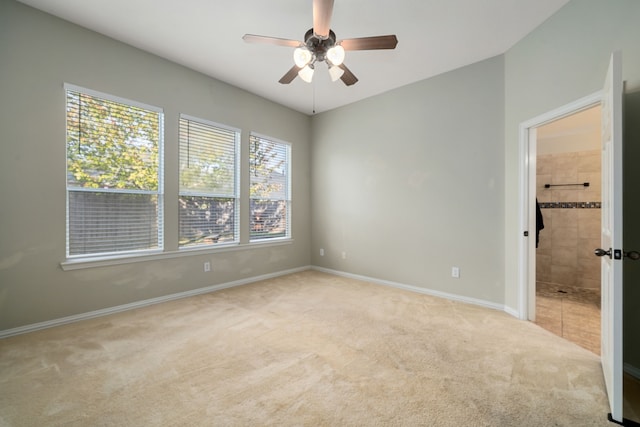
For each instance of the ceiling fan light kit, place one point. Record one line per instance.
(306, 73)
(302, 56)
(336, 55)
(320, 45)
(335, 72)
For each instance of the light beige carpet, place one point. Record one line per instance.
(305, 349)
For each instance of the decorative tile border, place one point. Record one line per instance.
(570, 205)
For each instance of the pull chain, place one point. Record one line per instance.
(314, 97)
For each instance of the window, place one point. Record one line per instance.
(270, 188)
(208, 183)
(114, 170)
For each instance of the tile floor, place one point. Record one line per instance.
(574, 314)
(570, 312)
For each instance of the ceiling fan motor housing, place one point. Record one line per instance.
(319, 46)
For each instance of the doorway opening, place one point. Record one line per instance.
(528, 192)
(568, 194)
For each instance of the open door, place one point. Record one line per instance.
(611, 246)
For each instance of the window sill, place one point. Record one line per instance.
(104, 261)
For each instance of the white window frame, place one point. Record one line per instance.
(236, 183)
(288, 191)
(159, 192)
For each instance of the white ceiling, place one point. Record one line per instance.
(434, 36)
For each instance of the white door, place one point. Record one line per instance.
(611, 249)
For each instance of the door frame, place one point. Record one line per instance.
(527, 198)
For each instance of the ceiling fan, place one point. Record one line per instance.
(320, 45)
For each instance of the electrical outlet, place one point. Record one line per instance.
(321, 252)
(344, 255)
(207, 266)
(455, 272)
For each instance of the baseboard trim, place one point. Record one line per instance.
(144, 303)
(512, 312)
(425, 291)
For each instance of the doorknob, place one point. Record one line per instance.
(602, 252)
(633, 255)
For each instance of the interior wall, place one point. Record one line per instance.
(577, 132)
(409, 184)
(563, 60)
(39, 53)
(571, 215)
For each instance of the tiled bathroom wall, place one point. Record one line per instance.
(571, 216)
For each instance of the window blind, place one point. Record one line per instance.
(208, 199)
(114, 163)
(270, 188)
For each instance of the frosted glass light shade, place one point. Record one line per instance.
(306, 73)
(335, 73)
(301, 56)
(336, 55)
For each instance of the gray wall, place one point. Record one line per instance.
(38, 53)
(410, 183)
(563, 60)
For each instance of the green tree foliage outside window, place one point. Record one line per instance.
(269, 188)
(113, 175)
(111, 145)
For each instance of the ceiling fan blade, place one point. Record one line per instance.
(252, 38)
(370, 43)
(290, 75)
(348, 78)
(322, 10)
